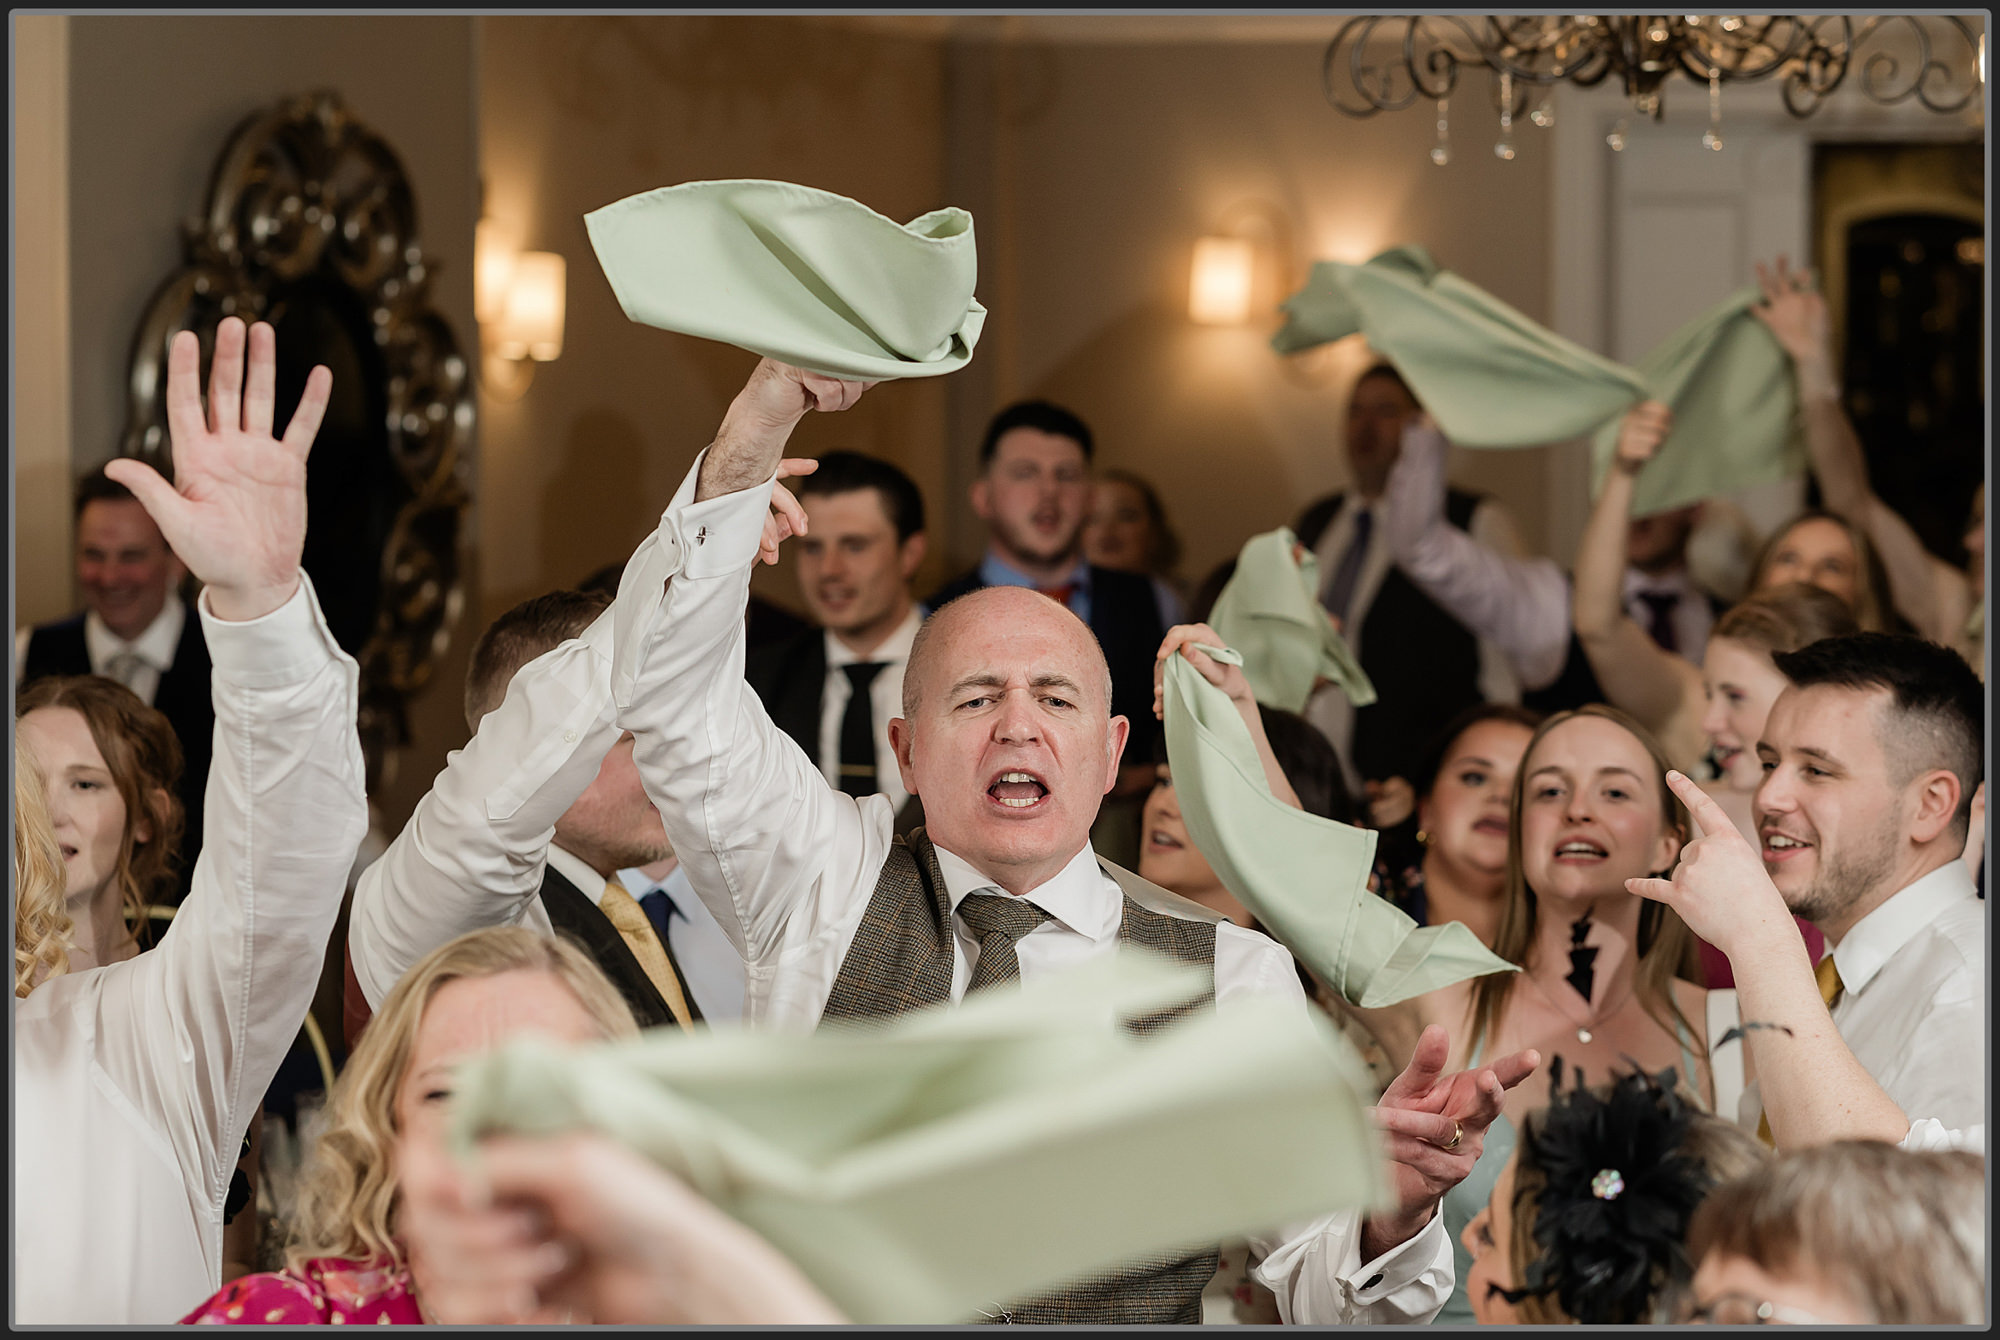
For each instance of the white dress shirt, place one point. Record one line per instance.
(885, 701)
(1329, 708)
(707, 960)
(1692, 615)
(789, 864)
(134, 1082)
(1520, 605)
(137, 664)
(1913, 1004)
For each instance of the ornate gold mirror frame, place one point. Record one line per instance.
(311, 224)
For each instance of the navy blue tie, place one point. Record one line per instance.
(659, 910)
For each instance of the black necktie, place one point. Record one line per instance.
(1340, 592)
(1660, 617)
(857, 731)
(999, 922)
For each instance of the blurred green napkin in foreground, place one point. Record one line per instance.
(1305, 878)
(796, 274)
(955, 1157)
(1269, 611)
(1492, 377)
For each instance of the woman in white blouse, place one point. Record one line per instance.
(136, 1080)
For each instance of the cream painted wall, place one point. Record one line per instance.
(40, 498)
(1116, 157)
(151, 102)
(577, 112)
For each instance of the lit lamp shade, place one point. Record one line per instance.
(494, 255)
(532, 325)
(1219, 288)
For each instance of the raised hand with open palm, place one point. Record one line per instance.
(236, 511)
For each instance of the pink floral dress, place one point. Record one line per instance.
(329, 1292)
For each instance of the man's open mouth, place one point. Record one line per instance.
(1018, 790)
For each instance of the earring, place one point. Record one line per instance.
(1423, 838)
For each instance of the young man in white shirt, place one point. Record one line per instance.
(1007, 736)
(1871, 758)
(836, 687)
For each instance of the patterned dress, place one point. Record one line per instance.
(329, 1291)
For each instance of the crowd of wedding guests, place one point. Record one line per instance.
(1732, 840)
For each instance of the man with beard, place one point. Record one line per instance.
(1033, 493)
(836, 687)
(1871, 758)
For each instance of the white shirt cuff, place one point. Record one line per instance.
(287, 646)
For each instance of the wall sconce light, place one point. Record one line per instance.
(1220, 283)
(519, 301)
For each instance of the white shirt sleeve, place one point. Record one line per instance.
(473, 852)
(785, 862)
(1928, 1133)
(1315, 1268)
(1520, 604)
(192, 1032)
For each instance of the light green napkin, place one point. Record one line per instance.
(796, 274)
(1735, 403)
(1305, 878)
(964, 1156)
(1270, 611)
(1492, 377)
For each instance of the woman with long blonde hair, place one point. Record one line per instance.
(112, 766)
(345, 1264)
(135, 1081)
(42, 927)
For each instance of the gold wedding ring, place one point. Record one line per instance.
(1457, 1134)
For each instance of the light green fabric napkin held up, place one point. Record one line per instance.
(1735, 402)
(1304, 877)
(1492, 377)
(1270, 611)
(800, 275)
(959, 1157)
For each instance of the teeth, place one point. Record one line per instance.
(1016, 777)
(1579, 848)
(1021, 804)
(1778, 842)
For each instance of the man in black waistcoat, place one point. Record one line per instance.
(835, 688)
(1033, 493)
(134, 628)
(1426, 665)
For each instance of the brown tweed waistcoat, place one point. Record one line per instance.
(902, 958)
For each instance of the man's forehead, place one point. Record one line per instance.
(862, 506)
(123, 519)
(1824, 713)
(1034, 444)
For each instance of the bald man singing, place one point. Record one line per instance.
(1007, 735)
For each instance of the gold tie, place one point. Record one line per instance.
(637, 932)
(1827, 973)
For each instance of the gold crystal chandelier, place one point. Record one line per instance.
(1939, 61)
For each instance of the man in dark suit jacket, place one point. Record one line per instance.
(611, 827)
(1033, 493)
(134, 628)
(835, 688)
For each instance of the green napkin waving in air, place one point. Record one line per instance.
(946, 1161)
(1735, 403)
(1492, 377)
(1270, 611)
(1304, 877)
(796, 274)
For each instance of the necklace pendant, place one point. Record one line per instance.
(1583, 1035)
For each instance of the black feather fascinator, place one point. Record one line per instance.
(1618, 1188)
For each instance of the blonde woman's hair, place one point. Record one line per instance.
(42, 929)
(1666, 946)
(1902, 1234)
(348, 1197)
